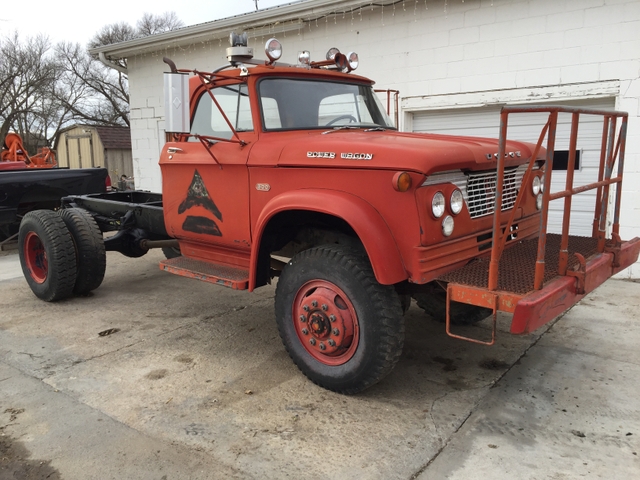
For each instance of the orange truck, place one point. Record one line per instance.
(296, 172)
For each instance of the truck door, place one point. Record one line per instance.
(205, 181)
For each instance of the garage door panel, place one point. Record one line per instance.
(578, 220)
(485, 122)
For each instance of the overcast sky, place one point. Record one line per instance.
(76, 21)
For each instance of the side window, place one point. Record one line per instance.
(364, 110)
(271, 113)
(234, 101)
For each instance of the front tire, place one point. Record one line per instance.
(91, 257)
(343, 329)
(47, 255)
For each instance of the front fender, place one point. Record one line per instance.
(365, 220)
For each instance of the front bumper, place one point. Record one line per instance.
(560, 294)
(515, 293)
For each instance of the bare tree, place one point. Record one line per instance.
(151, 24)
(43, 90)
(110, 87)
(113, 33)
(28, 73)
(93, 93)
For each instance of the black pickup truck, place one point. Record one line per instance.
(23, 190)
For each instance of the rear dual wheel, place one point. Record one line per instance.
(61, 253)
(47, 255)
(91, 256)
(343, 329)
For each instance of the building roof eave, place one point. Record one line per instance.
(285, 17)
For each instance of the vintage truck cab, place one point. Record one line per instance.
(296, 172)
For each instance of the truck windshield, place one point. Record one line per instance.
(295, 104)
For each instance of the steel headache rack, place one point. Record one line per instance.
(537, 279)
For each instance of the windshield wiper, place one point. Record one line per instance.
(375, 129)
(342, 127)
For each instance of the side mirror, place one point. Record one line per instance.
(176, 102)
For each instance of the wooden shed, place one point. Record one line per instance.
(86, 146)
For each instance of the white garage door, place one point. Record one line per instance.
(485, 122)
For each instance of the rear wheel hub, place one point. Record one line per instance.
(36, 257)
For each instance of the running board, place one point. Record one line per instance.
(227, 276)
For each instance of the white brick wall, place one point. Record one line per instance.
(470, 46)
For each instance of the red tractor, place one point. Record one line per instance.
(14, 155)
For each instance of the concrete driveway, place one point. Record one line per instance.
(193, 382)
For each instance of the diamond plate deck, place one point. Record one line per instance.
(517, 266)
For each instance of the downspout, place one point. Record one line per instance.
(102, 57)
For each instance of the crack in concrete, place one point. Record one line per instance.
(31, 355)
(433, 421)
(480, 400)
(77, 362)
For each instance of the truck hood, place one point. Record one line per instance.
(417, 152)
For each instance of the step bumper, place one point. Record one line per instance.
(557, 296)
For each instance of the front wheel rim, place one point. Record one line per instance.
(36, 257)
(326, 323)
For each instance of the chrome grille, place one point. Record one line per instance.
(481, 191)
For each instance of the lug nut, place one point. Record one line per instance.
(305, 308)
(335, 331)
(303, 318)
(332, 318)
(314, 304)
(322, 347)
(332, 343)
(312, 341)
(324, 307)
(305, 331)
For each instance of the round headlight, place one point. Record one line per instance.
(352, 58)
(539, 201)
(447, 225)
(437, 205)
(456, 202)
(273, 49)
(535, 185)
(542, 183)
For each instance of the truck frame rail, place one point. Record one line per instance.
(538, 279)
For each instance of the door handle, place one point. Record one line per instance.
(174, 150)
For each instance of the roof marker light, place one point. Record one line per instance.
(352, 58)
(273, 49)
(331, 54)
(304, 58)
